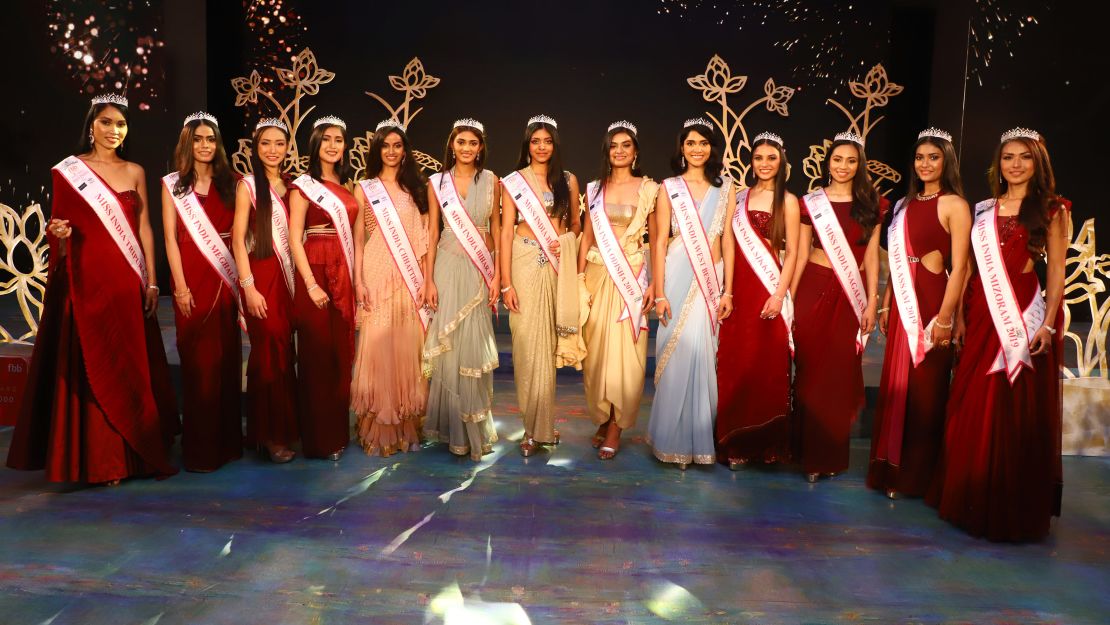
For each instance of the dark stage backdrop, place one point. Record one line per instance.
(586, 64)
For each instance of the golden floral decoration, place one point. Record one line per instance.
(876, 91)
(23, 235)
(1086, 288)
(716, 84)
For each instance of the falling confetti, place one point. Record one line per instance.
(275, 36)
(815, 31)
(994, 29)
(109, 47)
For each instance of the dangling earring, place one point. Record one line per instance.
(91, 140)
(683, 161)
(529, 159)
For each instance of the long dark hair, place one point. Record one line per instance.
(949, 173)
(343, 168)
(556, 177)
(1035, 206)
(85, 144)
(449, 153)
(606, 166)
(778, 202)
(714, 165)
(409, 176)
(263, 203)
(865, 199)
(223, 179)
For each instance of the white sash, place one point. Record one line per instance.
(319, 194)
(105, 205)
(696, 242)
(630, 285)
(1014, 327)
(918, 338)
(467, 234)
(279, 225)
(530, 206)
(206, 238)
(761, 260)
(839, 252)
(397, 240)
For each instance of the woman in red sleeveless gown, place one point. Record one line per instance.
(1000, 476)
(267, 297)
(324, 304)
(828, 374)
(206, 308)
(909, 418)
(98, 405)
(754, 353)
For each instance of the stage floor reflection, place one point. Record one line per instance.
(560, 537)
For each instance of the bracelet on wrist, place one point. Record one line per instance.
(248, 281)
(1051, 330)
(660, 299)
(943, 326)
(882, 310)
(778, 297)
(507, 289)
(184, 293)
(154, 287)
(724, 295)
(313, 287)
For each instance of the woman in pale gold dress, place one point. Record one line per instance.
(616, 348)
(529, 281)
(388, 389)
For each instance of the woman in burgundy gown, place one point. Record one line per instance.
(835, 291)
(322, 213)
(928, 234)
(198, 206)
(1000, 475)
(754, 354)
(98, 406)
(260, 242)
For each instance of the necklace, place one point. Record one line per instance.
(926, 198)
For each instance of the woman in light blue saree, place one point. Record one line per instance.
(694, 207)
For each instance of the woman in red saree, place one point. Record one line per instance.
(929, 233)
(260, 242)
(836, 288)
(322, 213)
(98, 406)
(206, 300)
(754, 354)
(1000, 475)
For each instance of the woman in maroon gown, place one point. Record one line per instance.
(324, 304)
(98, 406)
(830, 330)
(1000, 476)
(930, 231)
(206, 301)
(260, 242)
(754, 353)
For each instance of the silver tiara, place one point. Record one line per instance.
(935, 133)
(201, 115)
(627, 125)
(698, 121)
(469, 122)
(110, 98)
(330, 120)
(849, 136)
(769, 136)
(543, 119)
(1020, 133)
(271, 121)
(392, 122)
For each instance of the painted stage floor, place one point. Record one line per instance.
(558, 538)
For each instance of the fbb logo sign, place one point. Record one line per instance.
(13, 379)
